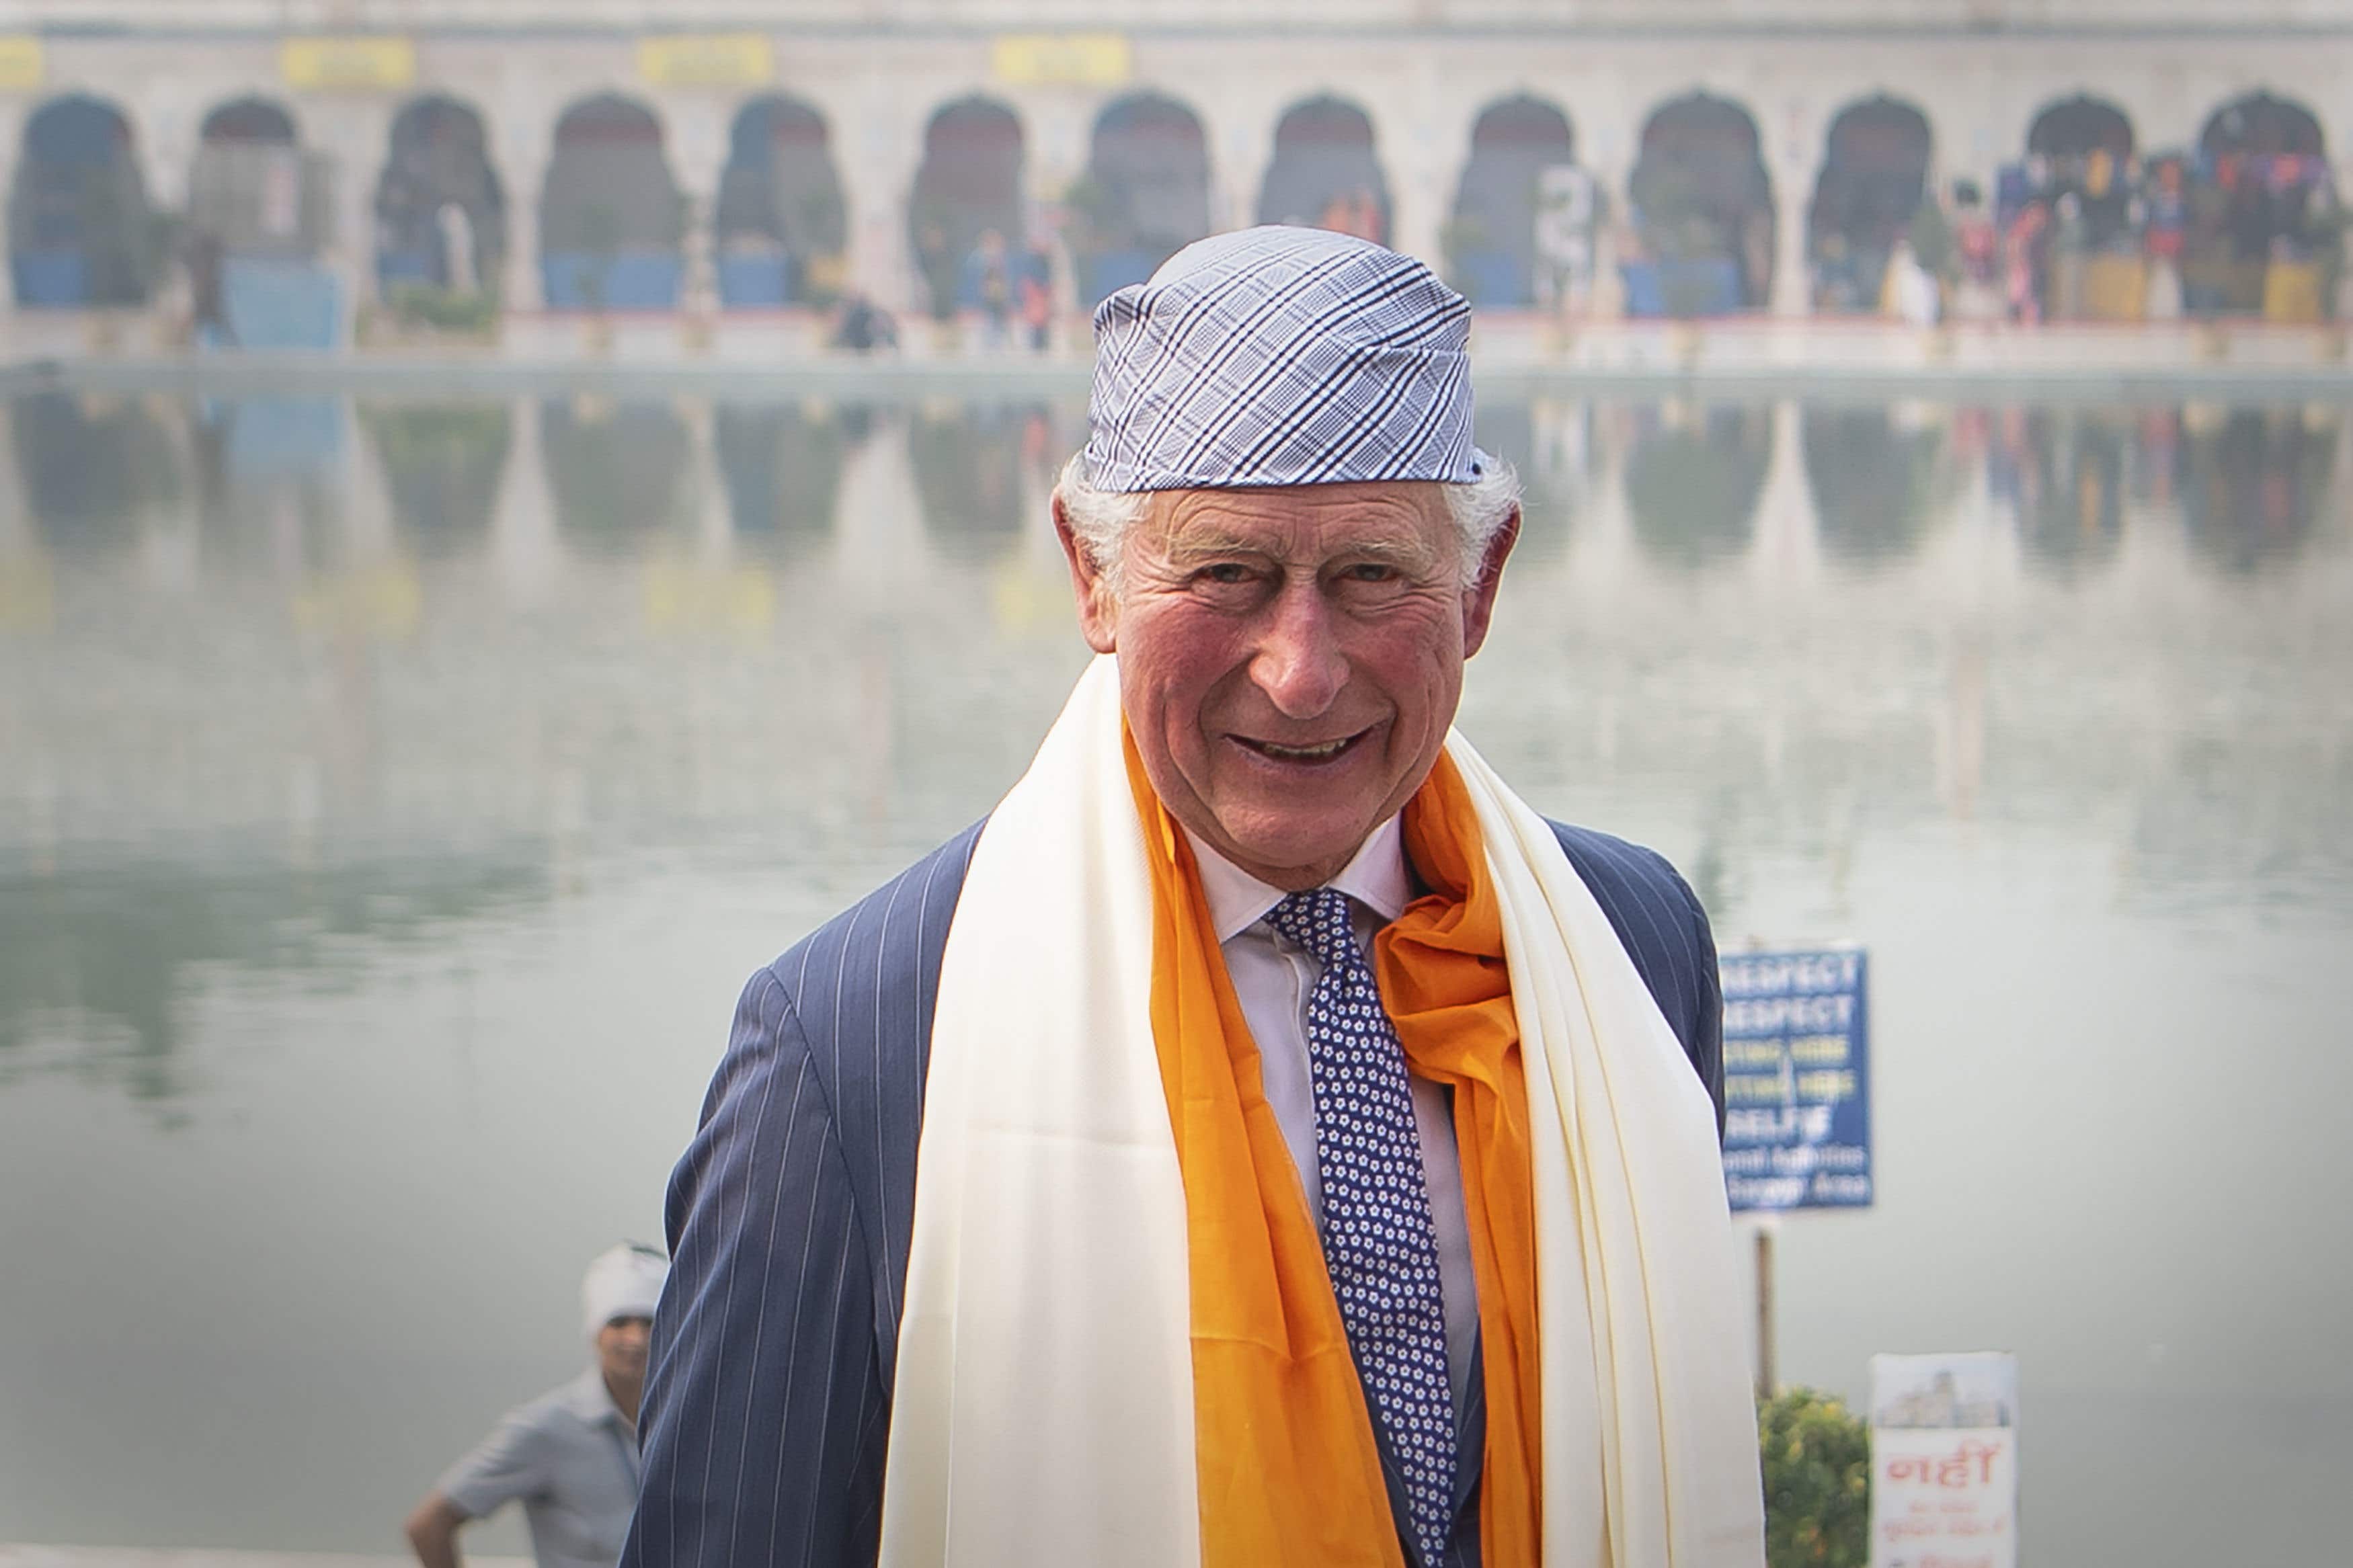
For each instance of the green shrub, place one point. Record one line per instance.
(1816, 1459)
(426, 305)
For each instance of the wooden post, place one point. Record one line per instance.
(1765, 1380)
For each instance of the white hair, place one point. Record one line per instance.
(1100, 519)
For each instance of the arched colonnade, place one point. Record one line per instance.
(1698, 202)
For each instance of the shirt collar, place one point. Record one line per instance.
(1375, 878)
(590, 1400)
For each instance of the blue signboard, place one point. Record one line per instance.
(1797, 1081)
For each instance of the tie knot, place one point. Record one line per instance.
(1319, 920)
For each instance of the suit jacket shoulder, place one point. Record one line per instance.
(1664, 928)
(865, 986)
(768, 1396)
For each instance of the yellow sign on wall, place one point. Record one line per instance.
(1063, 59)
(348, 63)
(20, 62)
(707, 59)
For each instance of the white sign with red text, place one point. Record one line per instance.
(1944, 1461)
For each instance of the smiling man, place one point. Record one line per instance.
(1264, 1140)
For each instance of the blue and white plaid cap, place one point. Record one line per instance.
(1280, 356)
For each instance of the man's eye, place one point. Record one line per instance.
(1226, 572)
(1371, 572)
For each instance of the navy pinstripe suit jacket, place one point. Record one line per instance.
(768, 1402)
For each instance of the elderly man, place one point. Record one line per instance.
(1264, 1140)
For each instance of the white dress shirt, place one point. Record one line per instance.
(1274, 978)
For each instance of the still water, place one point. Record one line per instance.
(397, 795)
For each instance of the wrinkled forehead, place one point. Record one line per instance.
(1404, 520)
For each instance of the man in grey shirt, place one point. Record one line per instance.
(571, 1454)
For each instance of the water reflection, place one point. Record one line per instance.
(783, 469)
(98, 959)
(400, 848)
(1692, 479)
(92, 466)
(274, 478)
(968, 464)
(270, 470)
(2063, 471)
(442, 465)
(1875, 475)
(2253, 482)
(1551, 443)
(618, 471)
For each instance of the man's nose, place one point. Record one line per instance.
(1298, 663)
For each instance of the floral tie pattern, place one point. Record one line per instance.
(1378, 1242)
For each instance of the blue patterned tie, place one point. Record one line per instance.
(1378, 1241)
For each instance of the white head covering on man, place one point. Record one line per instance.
(623, 1281)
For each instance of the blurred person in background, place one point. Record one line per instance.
(205, 258)
(569, 1456)
(860, 326)
(1037, 295)
(990, 269)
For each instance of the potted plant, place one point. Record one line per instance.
(1816, 1455)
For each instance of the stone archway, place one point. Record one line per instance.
(1495, 249)
(1871, 194)
(81, 230)
(440, 209)
(2079, 126)
(1702, 207)
(1145, 194)
(964, 222)
(2260, 123)
(1327, 172)
(2261, 213)
(611, 217)
(252, 191)
(2074, 198)
(782, 223)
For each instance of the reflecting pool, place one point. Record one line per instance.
(397, 794)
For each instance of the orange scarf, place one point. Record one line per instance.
(1289, 1472)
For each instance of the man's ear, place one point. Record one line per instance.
(1098, 610)
(1479, 603)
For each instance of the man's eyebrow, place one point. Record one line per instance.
(1193, 543)
(1206, 542)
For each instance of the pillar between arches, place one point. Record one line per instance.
(526, 146)
(1793, 291)
(1792, 134)
(1239, 171)
(877, 168)
(14, 112)
(356, 138)
(694, 145)
(1411, 145)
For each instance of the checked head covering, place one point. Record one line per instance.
(1280, 356)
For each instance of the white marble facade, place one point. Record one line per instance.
(1421, 70)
